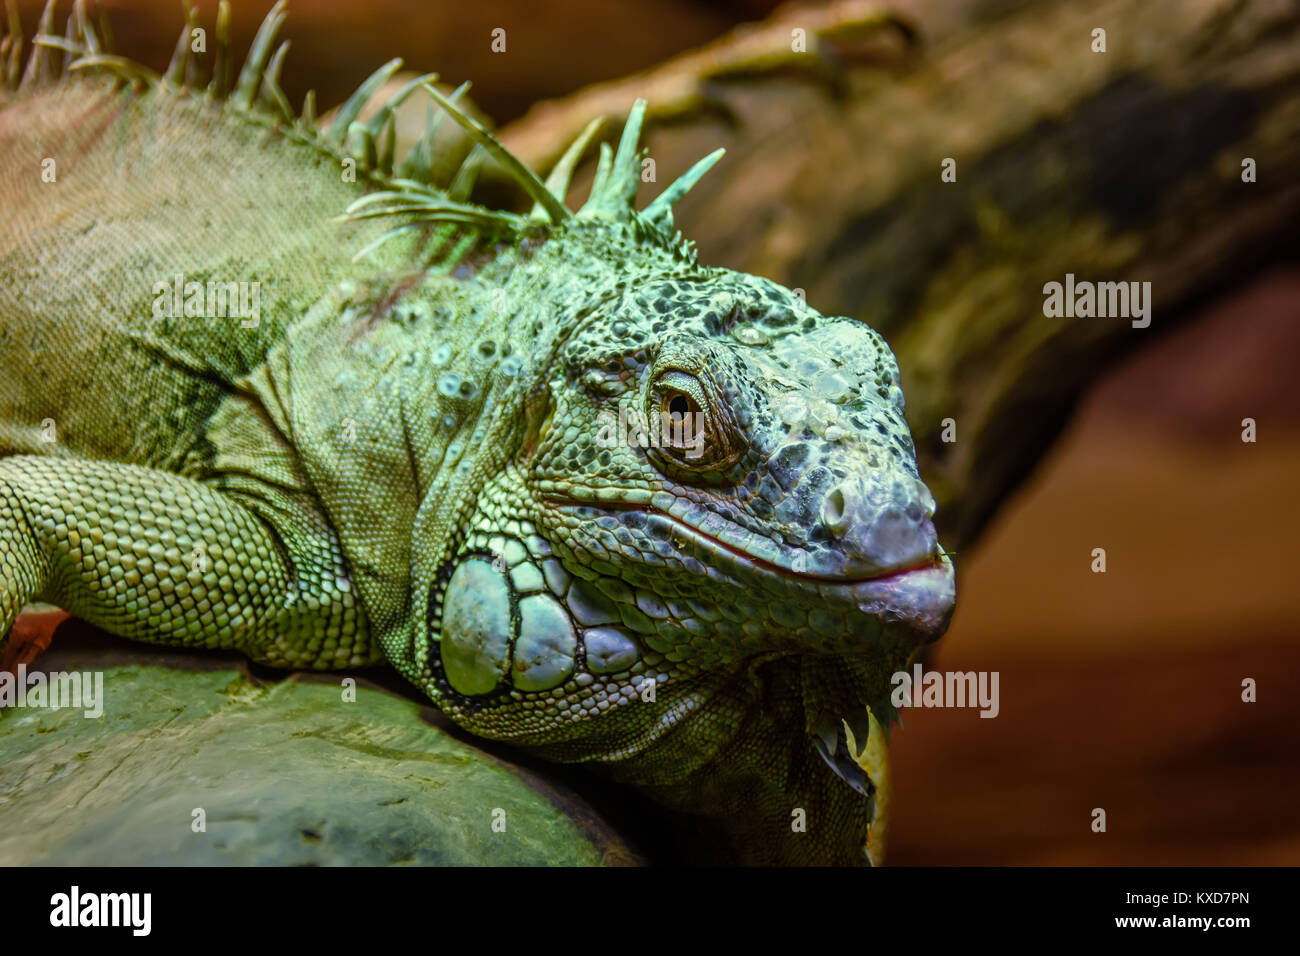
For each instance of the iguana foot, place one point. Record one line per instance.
(31, 636)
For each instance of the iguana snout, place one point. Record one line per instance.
(876, 532)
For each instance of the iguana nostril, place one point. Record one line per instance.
(835, 511)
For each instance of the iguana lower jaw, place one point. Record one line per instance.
(807, 738)
(917, 602)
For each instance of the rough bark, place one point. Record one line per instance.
(1117, 166)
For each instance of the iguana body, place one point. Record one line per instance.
(408, 457)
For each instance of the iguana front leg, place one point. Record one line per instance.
(158, 557)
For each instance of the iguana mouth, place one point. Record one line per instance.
(786, 568)
(790, 571)
(920, 594)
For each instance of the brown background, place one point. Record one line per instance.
(1123, 690)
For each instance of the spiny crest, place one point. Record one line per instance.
(406, 187)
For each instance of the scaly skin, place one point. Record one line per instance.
(410, 457)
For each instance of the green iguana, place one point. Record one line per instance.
(267, 388)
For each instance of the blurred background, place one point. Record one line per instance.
(1123, 690)
(1119, 690)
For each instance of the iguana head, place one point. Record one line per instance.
(709, 545)
(715, 500)
(732, 474)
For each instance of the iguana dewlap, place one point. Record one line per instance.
(589, 495)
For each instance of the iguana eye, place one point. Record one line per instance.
(691, 429)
